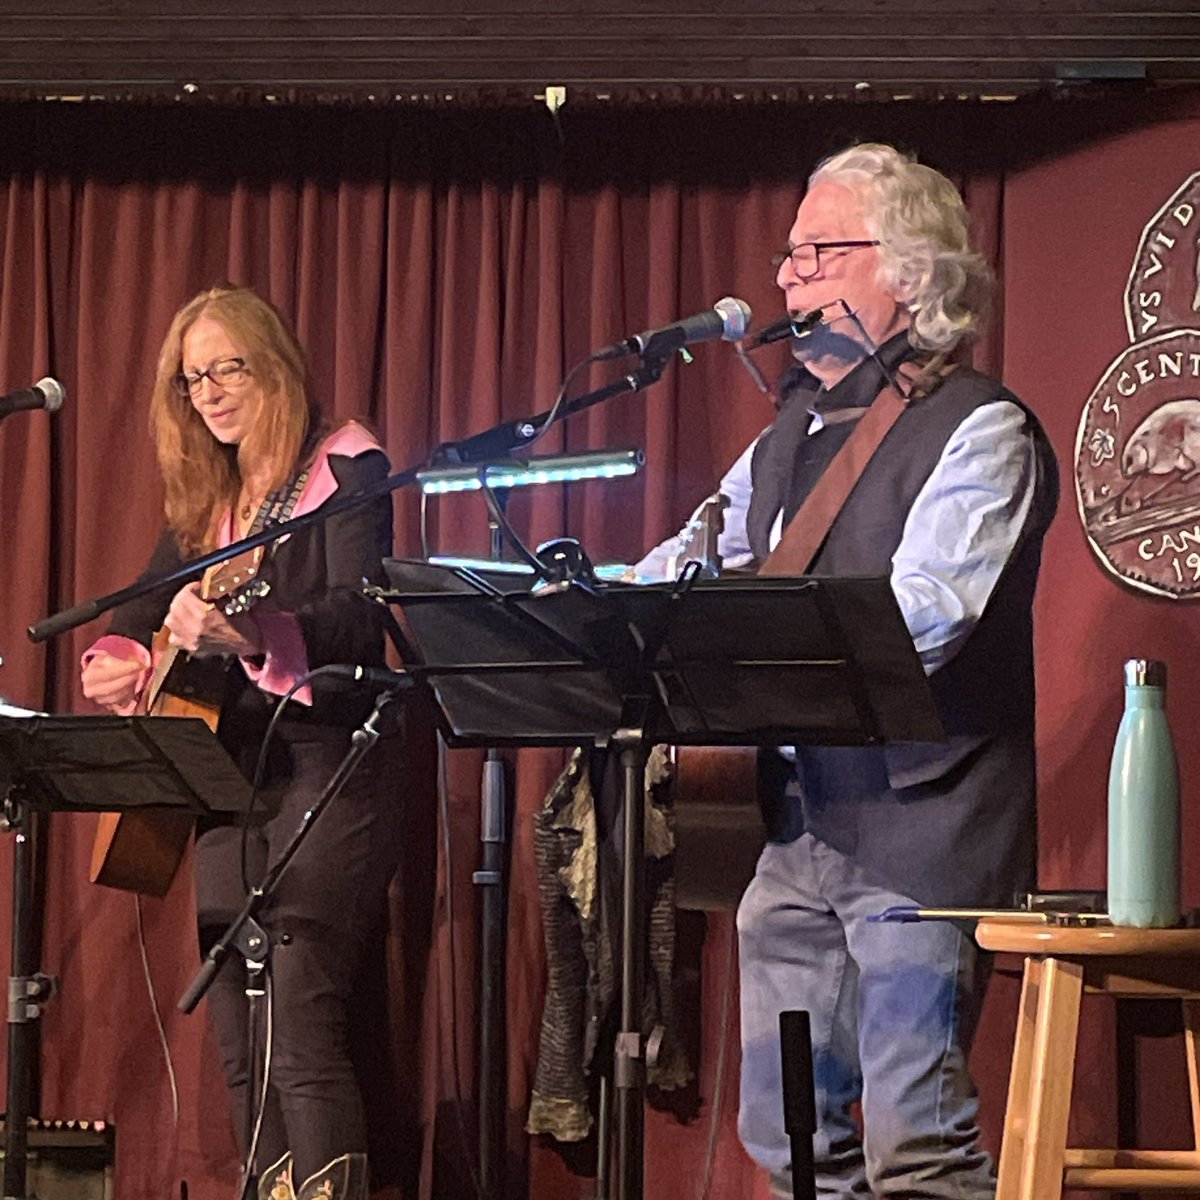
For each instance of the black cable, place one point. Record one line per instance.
(559, 401)
(495, 508)
(500, 517)
(872, 349)
(261, 762)
(259, 768)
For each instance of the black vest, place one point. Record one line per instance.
(947, 823)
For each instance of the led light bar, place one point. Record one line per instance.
(608, 572)
(550, 468)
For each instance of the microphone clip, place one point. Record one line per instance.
(564, 563)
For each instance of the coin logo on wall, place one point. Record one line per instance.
(1137, 452)
(1164, 286)
(1137, 465)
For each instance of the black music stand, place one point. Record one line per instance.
(763, 661)
(87, 764)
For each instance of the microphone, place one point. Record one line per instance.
(728, 319)
(396, 681)
(46, 393)
(795, 324)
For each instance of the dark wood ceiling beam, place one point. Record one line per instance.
(545, 47)
(352, 49)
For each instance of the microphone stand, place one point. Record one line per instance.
(491, 878)
(248, 936)
(28, 987)
(493, 896)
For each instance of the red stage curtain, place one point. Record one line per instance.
(444, 268)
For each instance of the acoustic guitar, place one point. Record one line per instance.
(721, 775)
(140, 850)
(718, 824)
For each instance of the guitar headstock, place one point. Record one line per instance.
(699, 538)
(234, 586)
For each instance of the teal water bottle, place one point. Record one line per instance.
(1143, 806)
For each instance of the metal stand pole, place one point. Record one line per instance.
(490, 879)
(629, 1066)
(602, 1139)
(28, 988)
(254, 945)
(799, 1099)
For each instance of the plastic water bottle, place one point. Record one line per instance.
(1143, 806)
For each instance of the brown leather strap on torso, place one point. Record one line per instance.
(807, 530)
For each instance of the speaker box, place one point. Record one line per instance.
(69, 1160)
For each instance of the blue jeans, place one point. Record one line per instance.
(892, 1009)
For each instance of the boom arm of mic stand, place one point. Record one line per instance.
(70, 618)
(510, 436)
(496, 442)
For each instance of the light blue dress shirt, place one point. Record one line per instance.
(960, 532)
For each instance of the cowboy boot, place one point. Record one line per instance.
(275, 1183)
(343, 1179)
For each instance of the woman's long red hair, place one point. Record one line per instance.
(202, 476)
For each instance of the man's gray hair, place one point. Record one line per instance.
(925, 253)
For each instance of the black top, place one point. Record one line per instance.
(317, 574)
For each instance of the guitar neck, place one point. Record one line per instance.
(234, 584)
(166, 655)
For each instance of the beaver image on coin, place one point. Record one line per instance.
(1137, 465)
(1166, 443)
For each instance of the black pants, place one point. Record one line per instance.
(329, 900)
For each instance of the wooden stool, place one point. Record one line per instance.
(1060, 961)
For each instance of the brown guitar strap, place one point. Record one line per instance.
(807, 530)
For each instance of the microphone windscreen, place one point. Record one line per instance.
(54, 392)
(735, 317)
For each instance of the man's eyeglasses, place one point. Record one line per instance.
(806, 257)
(225, 372)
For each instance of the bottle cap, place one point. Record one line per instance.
(1145, 672)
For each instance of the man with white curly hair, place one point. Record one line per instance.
(952, 505)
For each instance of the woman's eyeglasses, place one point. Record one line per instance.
(225, 372)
